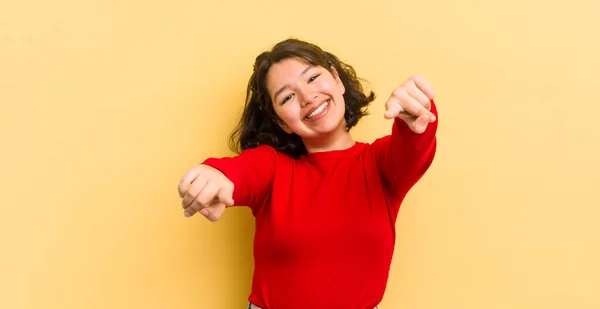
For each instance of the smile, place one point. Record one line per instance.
(319, 110)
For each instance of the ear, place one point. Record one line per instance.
(336, 76)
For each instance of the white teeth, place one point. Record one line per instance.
(318, 110)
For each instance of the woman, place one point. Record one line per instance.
(325, 205)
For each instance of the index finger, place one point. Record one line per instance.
(392, 108)
(424, 86)
(186, 181)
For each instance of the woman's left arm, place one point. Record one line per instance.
(404, 156)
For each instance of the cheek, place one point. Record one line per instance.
(335, 92)
(287, 114)
(333, 87)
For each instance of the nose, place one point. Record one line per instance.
(309, 99)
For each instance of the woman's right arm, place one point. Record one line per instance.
(218, 183)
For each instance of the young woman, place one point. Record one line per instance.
(325, 205)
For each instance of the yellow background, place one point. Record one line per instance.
(105, 104)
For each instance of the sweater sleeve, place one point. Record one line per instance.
(251, 173)
(404, 157)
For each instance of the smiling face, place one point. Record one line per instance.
(308, 99)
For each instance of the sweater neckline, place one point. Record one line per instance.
(336, 153)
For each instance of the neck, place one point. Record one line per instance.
(330, 143)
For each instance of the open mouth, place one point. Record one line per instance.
(318, 111)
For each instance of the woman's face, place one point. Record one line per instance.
(308, 99)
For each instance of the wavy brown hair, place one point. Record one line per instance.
(259, 125)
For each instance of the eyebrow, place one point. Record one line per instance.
(278, 92)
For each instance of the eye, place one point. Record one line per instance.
(313, 78)
(289, 97)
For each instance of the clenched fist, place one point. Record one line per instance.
(411, 102)
(205, 189)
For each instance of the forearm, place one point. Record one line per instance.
(408, 155)
(251, 173)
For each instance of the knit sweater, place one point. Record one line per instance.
(325, 222)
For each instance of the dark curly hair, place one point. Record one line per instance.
(259, 124)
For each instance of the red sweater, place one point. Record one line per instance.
(325, 222)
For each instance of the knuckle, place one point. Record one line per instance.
(416, 76)
(193, 189)
(399, 92)
(221, 178)
(225, 183)
(198, 168)
(412, 87)
(201, 201)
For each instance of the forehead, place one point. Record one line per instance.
(286, 70)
